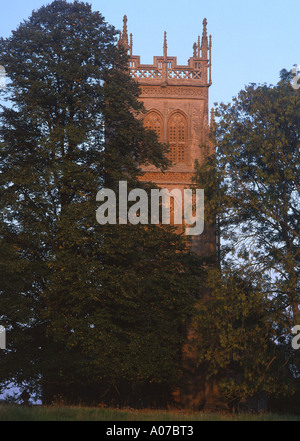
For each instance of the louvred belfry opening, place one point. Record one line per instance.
(177, 137)
(153, 122)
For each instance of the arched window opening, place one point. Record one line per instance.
(177, 137)
(153, 122)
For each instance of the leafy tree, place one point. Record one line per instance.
(88, 308)
(235, 341)
(258, 157)
(252, 191)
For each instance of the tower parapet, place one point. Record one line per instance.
(165, 71)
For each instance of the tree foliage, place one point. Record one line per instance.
(252, 185)
(236, 340)
(85, 306)
(258, 156)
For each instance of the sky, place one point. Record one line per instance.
(252, 40)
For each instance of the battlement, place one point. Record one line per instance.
(165, 70)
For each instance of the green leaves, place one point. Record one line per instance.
(253, 194)
(235, 334)
(258, 165)
(97, 305)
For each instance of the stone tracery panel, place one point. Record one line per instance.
(153, 121)
(177, 137)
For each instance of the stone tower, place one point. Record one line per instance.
(177, 102)
(176, 98)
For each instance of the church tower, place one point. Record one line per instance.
(176, 98)
(177, 102)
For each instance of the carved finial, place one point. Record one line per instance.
(165, 46)
(204, 34)
(131, 45)
(199, 46)
(125, 33)
(123, 39)
(204, 43)
(209, 66)
(195, 50)
(120, 38)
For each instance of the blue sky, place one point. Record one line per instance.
(252, 40)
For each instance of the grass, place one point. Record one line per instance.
(52, 413)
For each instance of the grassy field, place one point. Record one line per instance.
(41, 413)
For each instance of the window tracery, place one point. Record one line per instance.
(177, 137)
(153, 122)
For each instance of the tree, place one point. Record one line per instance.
(253, 187)
(235, 339)
(258, 164)
(88, 307)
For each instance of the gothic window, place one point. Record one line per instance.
(177, 137)
(154, 122)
